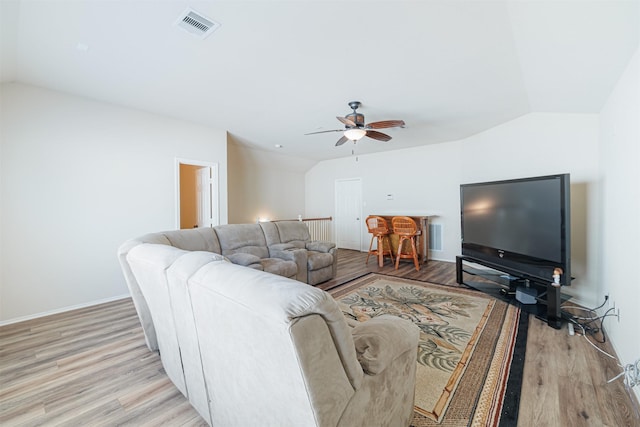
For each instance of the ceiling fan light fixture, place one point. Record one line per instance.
(355, 134)
(355, 128)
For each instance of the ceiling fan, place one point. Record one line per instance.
(355, 128)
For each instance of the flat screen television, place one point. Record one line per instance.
(519, 226)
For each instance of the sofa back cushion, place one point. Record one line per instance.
(177, 278)
(192, 239)
(149, 263)
(294, 232)
(242, 238)
(197, 239)
(271, 234)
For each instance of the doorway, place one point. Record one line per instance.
(348, 223)
(197, 196)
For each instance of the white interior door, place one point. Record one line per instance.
(204, 190)
(348, 218)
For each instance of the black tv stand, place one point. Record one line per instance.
(503, 284)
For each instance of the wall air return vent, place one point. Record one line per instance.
(196, 24)
(435, 237)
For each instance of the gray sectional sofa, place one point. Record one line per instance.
(250, 348)
(283, 248)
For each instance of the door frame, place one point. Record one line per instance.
(215, 197)
(335, 201)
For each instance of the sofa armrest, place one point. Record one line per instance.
(290, 253)
(325, 247)
(320, 246)
(381, 340)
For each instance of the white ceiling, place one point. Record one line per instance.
(276, 70)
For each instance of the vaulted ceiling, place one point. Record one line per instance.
(275, 70)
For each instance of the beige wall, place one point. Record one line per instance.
(264, 184)
(77, 179)
(188, 196)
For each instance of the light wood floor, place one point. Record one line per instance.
(91, 367)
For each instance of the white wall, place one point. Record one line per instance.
(264, 184)
(620, 153)
(426, 180)
(10, 14)
(78, 178)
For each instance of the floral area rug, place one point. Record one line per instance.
(465, 350)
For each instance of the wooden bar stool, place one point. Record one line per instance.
(406, 229)
(379, 230)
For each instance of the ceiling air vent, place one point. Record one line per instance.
(196, 24)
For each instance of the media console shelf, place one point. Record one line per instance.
(503, 285)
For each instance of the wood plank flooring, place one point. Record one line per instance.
(91, 367)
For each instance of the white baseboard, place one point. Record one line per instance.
(435, 257)
(61, 310)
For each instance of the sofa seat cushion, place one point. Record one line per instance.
(318, 260)
(279, 267)
(243, 259)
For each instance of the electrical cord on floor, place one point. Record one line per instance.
(584, 334)
(588, 326)
(592, 327)
(631, 374)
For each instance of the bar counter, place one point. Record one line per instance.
(423, 237)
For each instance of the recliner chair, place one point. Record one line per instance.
(322, 256)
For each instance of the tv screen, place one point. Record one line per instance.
(520, 225)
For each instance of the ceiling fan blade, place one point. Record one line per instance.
(342, 141)
(385, 124)
(325, 131)
(378, 135)
(347, 122)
